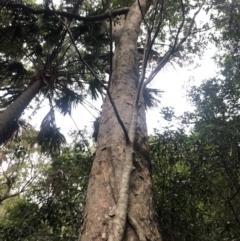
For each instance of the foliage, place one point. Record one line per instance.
(195, 196)
(71, 57)
(41, 47)
(196, 174)
(20, 163)
(195, 193)
(52, 209)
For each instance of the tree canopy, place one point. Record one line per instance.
(112, 50)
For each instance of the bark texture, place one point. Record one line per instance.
(114, 158)
(9, 117)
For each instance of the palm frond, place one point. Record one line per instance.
(150, 99)
(69, 100)
(49, 137)
(95, 88)
(96, 124)
(18, 32)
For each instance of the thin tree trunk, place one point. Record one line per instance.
(9, 117)
(115, 160)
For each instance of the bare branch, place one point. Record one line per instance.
(143, 14)
(203, 30)
(80, 134)
(10, 196)
(10, 183)
(180, 27)
(228, 202)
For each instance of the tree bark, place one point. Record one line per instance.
(9, 117)
(109, 189)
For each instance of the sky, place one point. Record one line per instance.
(173, 81)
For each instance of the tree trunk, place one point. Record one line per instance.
(111, 163)
(9, 117)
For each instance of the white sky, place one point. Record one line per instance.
(175, 84)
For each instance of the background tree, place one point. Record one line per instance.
(42, 60)
(190, 185)
(20, 163)
(52, 209)
(206, 161)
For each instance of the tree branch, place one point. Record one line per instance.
(148, 46)
(111, 47)
(50, 12)
(176, 46)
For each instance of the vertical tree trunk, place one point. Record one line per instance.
(111, 152)
(9, 117)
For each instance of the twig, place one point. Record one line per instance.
(192, 23)
(180, 27)
(229, 203)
